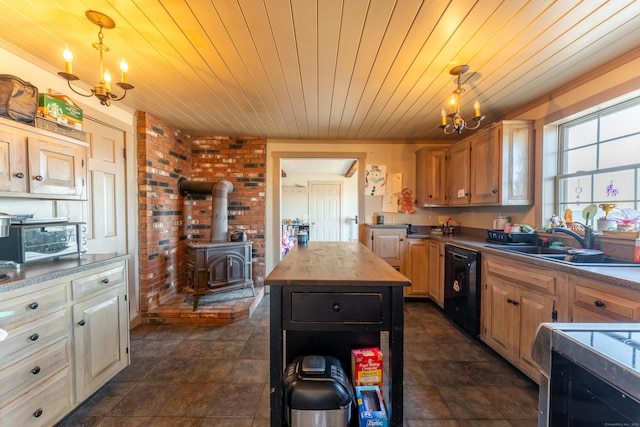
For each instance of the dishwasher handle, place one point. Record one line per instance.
(458, 256)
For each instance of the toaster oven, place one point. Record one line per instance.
(29, 243)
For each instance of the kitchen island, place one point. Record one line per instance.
(328, 298)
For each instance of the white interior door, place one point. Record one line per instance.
(106, 189)
(324, 211)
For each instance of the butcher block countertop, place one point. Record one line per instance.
(334, 264)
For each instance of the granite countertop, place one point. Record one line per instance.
(627, 277)
(31, 274)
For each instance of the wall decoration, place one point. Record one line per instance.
(407, 202)
(389, 203)
(375, 180)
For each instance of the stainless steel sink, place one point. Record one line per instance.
(557, 254)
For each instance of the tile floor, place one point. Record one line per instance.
(195, 375)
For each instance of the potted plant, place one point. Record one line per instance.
(605, 223)
(626, 219)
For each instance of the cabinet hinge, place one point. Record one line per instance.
(127, 350)
(82, 162)
(125, 297)
(554, 316)
(124, 153)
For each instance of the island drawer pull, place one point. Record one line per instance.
(34, 305)
(336, 307)
(36, 370)
(34, 337)
(598, 303)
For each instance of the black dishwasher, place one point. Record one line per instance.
(462, 287)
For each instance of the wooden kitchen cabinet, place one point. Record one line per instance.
(431, 176)
(459, 175)
(388, 243)
(516, 298)
(416, 268)
(436, 272)
(35, 358)
(493, 166)
(591, 301)
(39, 164)
(49, 363)
(502, 164)
(100, 328)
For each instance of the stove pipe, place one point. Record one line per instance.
(219, 199)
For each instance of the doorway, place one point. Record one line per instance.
(320, 161)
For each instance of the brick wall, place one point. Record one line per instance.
(168, 221)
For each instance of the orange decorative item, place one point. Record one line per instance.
(407, 202)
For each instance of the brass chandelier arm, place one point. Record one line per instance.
(93, 92)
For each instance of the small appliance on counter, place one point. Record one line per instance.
(35, 240)
(317, 393)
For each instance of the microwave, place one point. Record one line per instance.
(28, 243)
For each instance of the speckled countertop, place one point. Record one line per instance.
(628, 277)
(31, 274)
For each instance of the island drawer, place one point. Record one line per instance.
(365, 308)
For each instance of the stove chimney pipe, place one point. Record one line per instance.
(219, 198)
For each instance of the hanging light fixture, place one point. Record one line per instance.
(103, 89)
(457, 123)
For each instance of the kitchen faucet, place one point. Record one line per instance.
(586, 241)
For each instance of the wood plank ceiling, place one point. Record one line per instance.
(327, 69)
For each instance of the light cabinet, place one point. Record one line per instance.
(516, 298)
(502, 164)
(100, 327)
(388, 243)
(431, 176)
(459, 174)
(35, 357)
(416, 268)
(436, 272)
(38, 163)
(67, 337)
(591, 301)
(493, 166)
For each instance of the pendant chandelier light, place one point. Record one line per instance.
(103, 89)
(453, 121)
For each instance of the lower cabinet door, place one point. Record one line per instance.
(42, 405)
(101, 336)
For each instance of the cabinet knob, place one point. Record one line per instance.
(37, 413)
(494, 191)
(19, 175)
(38, 178)
(336, 307)
(36, 370)
(598, 303)
(82, 322)
(105, 280)
(34, 337)
(33, 305)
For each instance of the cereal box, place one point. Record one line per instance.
(366, 366)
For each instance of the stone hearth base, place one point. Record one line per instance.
(217, 309)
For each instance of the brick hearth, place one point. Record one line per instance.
(217, 309)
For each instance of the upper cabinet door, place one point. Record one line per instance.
(56, 167)
(485, 170)
(459, 174)
(517, 141)
(13, 163)
(431, 176)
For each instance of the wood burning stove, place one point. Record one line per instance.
(218, 265)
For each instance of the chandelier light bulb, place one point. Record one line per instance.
(68, 58)
(107, 80)
(124, 67)
(476, 107)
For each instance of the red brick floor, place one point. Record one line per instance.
(218, 309)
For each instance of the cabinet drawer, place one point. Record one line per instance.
(99, 281)
(34, 335)
(32, 304)
(540, 279)
(43, 405)
(601, 303)
(331, 307)
(34, 368)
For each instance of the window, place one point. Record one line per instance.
(599, 160)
